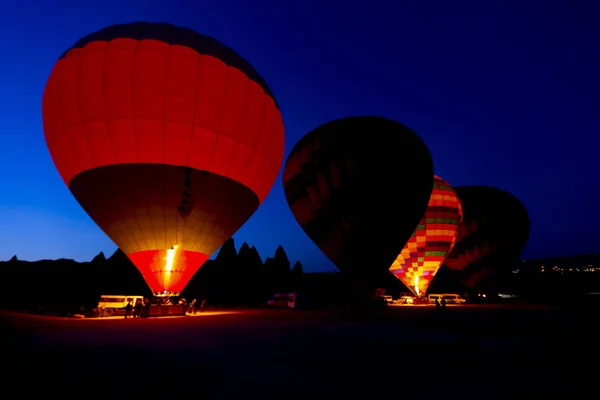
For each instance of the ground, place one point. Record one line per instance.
(482, 352)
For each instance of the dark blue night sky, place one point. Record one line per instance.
(504, 93)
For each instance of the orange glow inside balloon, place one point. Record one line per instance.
(425, 251)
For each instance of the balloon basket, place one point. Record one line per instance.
(420, 300)
(166, 294)
(158, 310)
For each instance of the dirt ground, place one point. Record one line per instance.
(482, 352)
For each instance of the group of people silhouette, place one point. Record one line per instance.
(136, 311)
(141, 309)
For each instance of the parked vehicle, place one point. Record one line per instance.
(279, 300)
(450, 298)
(115, 304)
(303, 301)
(388, 299)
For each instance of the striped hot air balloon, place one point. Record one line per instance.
(430, 243)
(494, 231)
(167, 138)
(341, 182)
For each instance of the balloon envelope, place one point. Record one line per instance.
(168, 139)
(430, 243)
(494, 231)
(358, 186)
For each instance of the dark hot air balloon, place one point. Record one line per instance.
(168, 139)
(430, 243)
(358, 187)
(494, 231)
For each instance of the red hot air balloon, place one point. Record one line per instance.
(493, 233)
(358, 187)
(430, 243)
(168, 139)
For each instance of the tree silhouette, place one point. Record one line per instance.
(227, 254)
(297, 269)
(246, 282)
(296, 276)
(240, 277)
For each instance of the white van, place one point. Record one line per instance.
(303, 301)
(112, 303)
(450, 298)
(388, 299)
(280, 300)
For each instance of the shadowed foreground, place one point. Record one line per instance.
(470, 352)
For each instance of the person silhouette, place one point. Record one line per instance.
(146, 309)
(128, 308)
(137, 309)
(192, 307)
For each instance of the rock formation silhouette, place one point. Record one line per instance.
(236, 278)
(233, 278)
